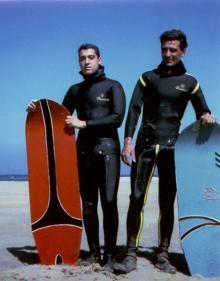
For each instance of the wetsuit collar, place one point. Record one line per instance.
(165, 70)
(97, 76)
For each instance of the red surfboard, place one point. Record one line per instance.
(55, 204)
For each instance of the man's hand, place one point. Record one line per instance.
(207, 119)
(74, 122)
(32, 106)
(128, 152)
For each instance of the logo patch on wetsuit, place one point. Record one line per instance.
(102, 98)
(182, 88)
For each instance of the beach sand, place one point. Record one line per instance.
(19, 259)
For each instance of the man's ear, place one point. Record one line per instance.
(183, 52)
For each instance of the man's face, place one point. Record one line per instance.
(88, 61)
(171, 52)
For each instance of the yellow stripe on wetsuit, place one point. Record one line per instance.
(143, 83)
(195, 89)
(157, 148)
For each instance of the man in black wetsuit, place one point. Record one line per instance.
(100, 106)
(163, 94)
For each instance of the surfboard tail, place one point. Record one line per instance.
(59, 244)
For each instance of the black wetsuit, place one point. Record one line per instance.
(101, 103)
(163, 93)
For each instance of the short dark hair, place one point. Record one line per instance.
(89, 46)
(174, 34)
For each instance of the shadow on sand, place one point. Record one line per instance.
(26, 254)
(29, 255)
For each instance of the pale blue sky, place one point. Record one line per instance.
(39, 41)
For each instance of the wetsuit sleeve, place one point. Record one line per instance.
(134, 109)
(117, 104)
(198, 101)
(69, 100)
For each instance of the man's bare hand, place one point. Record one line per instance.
(31, 106)
(74, 122)
(207, 119)
(128, 152)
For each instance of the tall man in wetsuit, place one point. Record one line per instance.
(163, 94)
(100, 106)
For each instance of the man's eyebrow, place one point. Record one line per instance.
(171, 48)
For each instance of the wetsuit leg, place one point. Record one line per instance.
(141, 175)
(167, 193)
(89, 193)
(109, 180)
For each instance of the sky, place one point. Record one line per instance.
(38, 53)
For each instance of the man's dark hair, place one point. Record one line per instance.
(174, 34)
(89, 46)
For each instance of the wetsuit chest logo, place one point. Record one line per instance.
(182, 87)
(102, 98)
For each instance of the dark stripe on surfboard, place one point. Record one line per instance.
(206, 218)
(209, 222)
(50, 149)
(217, 159)
(196, 227)
(55, 214)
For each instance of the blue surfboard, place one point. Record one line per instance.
(197, 157)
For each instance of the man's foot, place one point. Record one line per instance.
(164, 264)
(127, 265)
(91, 259)
(109, 263)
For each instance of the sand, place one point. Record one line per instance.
(19, 259)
